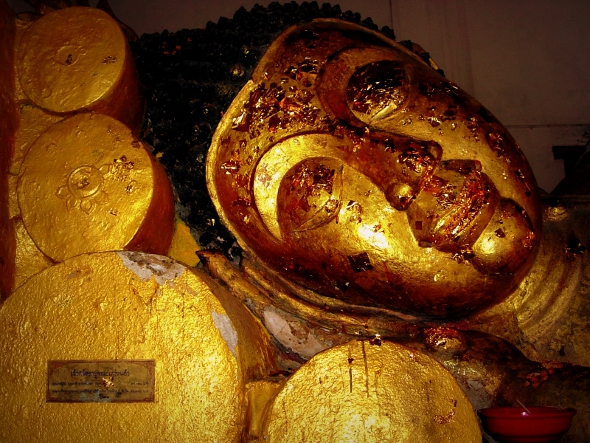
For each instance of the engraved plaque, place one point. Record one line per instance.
(100, 381)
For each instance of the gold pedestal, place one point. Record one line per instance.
(77, 59)
(372, 393)
(87, 184)
(117, 307)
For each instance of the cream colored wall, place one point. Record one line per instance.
(526, 61)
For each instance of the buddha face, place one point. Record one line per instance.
(349, 166)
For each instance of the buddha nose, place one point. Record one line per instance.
(413, 168)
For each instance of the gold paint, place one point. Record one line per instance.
(33, 122)
(546, 317)
(183, 247)
(87, 184)
(77, 59)
(255, 349)
(258, 395)
(371, 393)
(111, 88)
(13, 209)
(335, 171)
(23, 22)
(29, 260)
(353, 169)
(260, 289)
(118, 306)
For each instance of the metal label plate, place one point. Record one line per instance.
(100, 381)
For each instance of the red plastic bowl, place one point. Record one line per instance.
(514, 425)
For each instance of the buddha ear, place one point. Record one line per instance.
(363, 85)
(310, 205)
(283, 159)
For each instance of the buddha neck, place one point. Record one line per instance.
(535, 317)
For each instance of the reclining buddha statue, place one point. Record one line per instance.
(376, 260)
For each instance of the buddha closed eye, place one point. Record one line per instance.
(354, 169)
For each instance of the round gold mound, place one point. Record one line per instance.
(88, 185)
(363, 392)
(121, 306)
(77, 58)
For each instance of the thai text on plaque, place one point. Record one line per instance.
(100, 381)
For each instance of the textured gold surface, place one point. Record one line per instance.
(13, 209)
(371, 196)
(351, 167)
(547, 316)
(70, 58)
(183, 247)
(370, 393)
(87, 184)
(22, 24)
(48, 89)
(33, 122)
(28, 260)
(77, 58)
(255, 351)
(121, 306)
(259, 393)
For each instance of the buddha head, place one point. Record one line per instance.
(350, 166)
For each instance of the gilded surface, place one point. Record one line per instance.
(49, 89)
(371, 195)
(33, 122)
(77, 59)
(351, 167)
(86, 185)
(74, 48)
(29, 260)
(126, 306)
(372, 393)
(183, 247)
(258, 394)
(547, 316)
